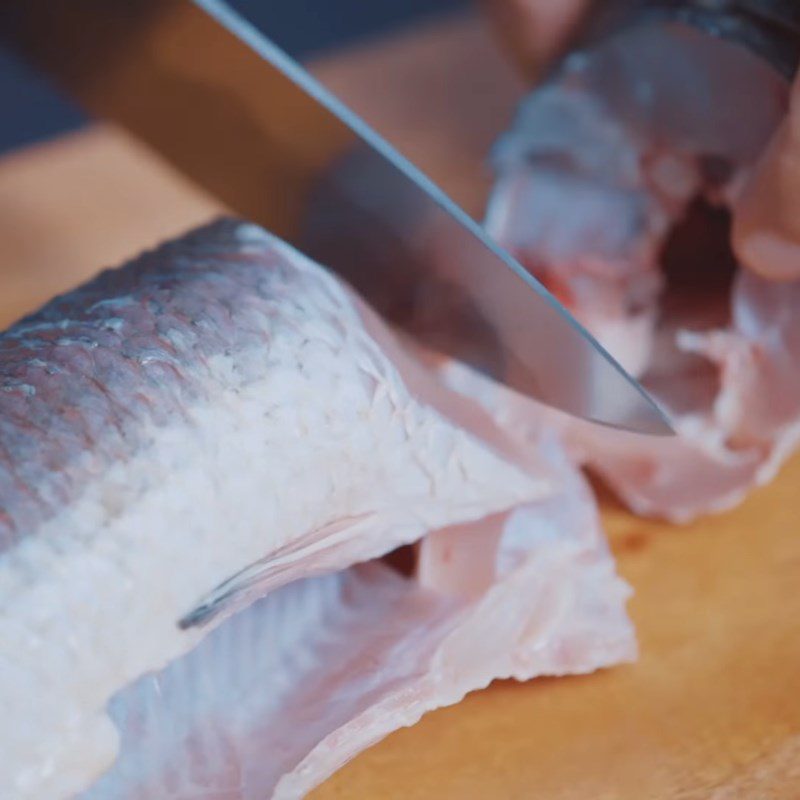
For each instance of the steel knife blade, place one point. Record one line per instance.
(245, 122)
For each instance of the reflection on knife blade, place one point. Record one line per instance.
(245, 122)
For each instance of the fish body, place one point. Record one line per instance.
(164, 427)
(219, 421)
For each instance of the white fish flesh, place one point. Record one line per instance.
(217, 419)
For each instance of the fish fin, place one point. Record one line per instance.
(309, 555)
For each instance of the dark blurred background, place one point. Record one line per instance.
(32, 111)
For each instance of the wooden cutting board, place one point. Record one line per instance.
(712, 708)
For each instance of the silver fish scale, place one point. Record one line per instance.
(94, 367)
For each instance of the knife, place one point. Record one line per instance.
(245, 122)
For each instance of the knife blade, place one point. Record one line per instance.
(229, 109)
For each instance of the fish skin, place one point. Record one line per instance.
(69, 373)
(135, 414)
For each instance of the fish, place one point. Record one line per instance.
(619, 199)
(280, 696)
(204, 456)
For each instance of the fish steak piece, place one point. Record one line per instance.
(609, 194)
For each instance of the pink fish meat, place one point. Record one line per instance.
(325, 667)
(607, 192)
(202, 455)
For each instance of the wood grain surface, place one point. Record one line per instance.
(712, 708)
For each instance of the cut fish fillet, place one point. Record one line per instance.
(592, 179)
(209, 423)
(286, 692)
